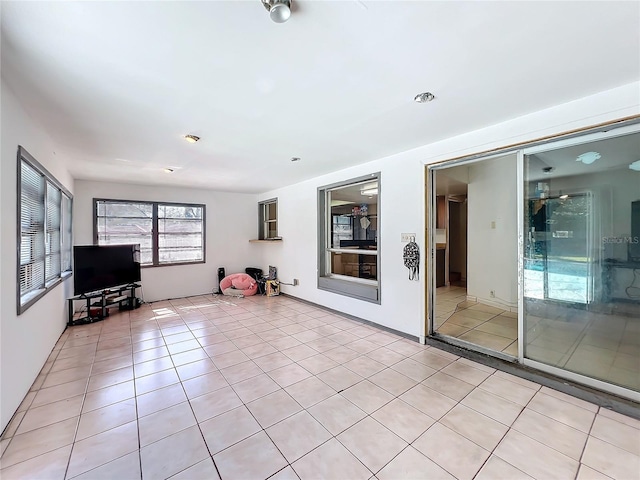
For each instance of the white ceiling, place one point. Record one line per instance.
(617, 153)
(116, 84)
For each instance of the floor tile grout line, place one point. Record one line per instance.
(73, 445)
(360, 354)
(509, 428)
(75, 433)
(15, 433)
(535, 440)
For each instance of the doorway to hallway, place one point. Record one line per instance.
(475, 303)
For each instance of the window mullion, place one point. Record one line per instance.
(45, 213)
(327, 240)
(155, 235)
(170, 229)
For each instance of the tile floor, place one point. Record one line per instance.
(596, 344)
(484, 325)
(602, 345)
(259, 387)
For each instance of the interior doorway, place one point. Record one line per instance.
(475, 301)
(457, 226)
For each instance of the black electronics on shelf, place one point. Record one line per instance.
(97, 304)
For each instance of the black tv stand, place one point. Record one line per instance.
(98, 303)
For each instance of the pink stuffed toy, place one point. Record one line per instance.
(238, 285)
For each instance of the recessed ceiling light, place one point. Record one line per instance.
(635, 166)
(168, 170)
(295, 159)
(191, 138)
(424, 97)
(588, 158)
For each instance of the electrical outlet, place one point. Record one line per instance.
(296, 282)
(407, 237)
(492, 294)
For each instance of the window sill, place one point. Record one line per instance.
(198, 262)
(30, 298)
(356, 288)
(266, 240)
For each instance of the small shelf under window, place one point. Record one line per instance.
(266, 240)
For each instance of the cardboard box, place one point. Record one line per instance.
(273, 288)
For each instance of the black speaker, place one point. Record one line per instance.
(634, 243)
(221, 275)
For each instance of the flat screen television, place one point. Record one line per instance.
(98, 268)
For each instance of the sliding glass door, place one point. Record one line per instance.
(538, 260)
(581, 304)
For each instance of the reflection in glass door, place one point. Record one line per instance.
(557, 250)
(581, 313)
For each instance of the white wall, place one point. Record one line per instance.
(402, 207)
(231, 221)
(401, 210)
(493, 232)
(26, 340)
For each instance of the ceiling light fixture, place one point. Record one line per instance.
(635, 166)
(369, 191)
(588, 158)
(338, 203)
(279, 10)
(191, 138)
(547, 170)
(424, 97)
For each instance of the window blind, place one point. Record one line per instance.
(168, 233)
(53, 261)
(66, 229)
(32, 242)
(44, 231)
(180, 234)
(121, 223)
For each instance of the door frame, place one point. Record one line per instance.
(431, 249)
(602, 131)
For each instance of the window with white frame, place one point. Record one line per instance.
(268, 219)
(349, 262)
(168, 233)
(44, 231)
